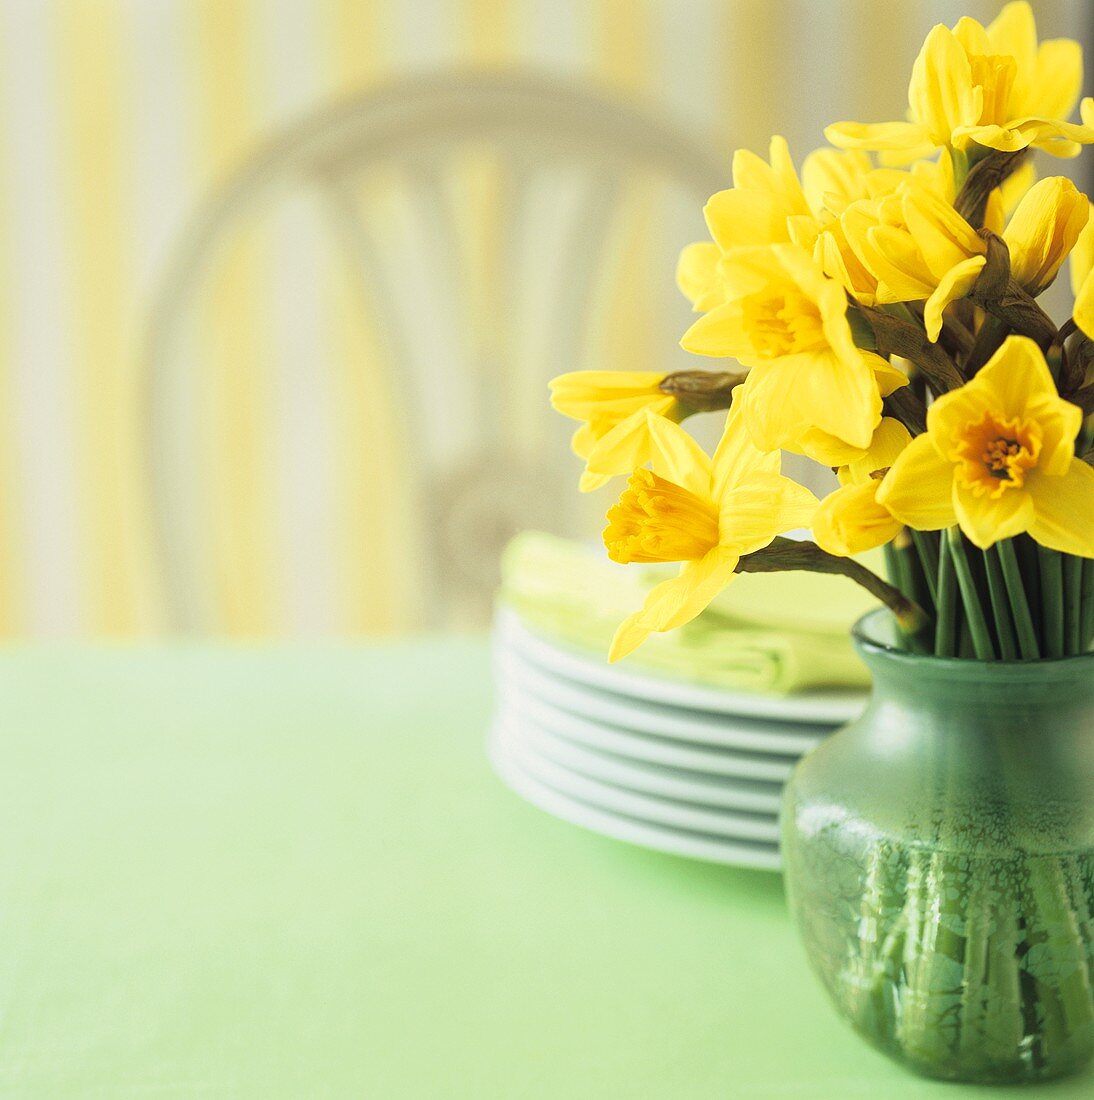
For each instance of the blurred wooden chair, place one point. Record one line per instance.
(474, 317)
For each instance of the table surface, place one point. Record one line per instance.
(289, 872)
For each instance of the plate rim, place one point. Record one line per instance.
(734, 825)
(657, 751)
(754, 855)
(704, 789)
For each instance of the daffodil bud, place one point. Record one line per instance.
(703, 390)
(1043, 231)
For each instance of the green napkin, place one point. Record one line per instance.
(767, 632)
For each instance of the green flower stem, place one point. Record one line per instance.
(1029, 565)
(977, 940)
(1070, 1003)
(1025, 631)
(1052, 601)
(927, 548)
(974, 611)
(945, 633)
(1000, 607)
(1073, 604)
(918, 589)
(1088, 604)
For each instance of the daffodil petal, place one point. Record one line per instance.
(589, 483)
(717, 333)
(1084, 305)
(1064, 509)
(752, 514)
(877, 135)
(676, 601)
(790, 396)
(889, 378)
(955, 284)
(1081, 260)
(737, 456)
(1013, 32)
(1016, 375)
(941, 91)
(986, 519)
(918, 488)
(675, 456)
(850, 521)
(626, 446)
(890, 439)
(697, 275)
(1058, 78)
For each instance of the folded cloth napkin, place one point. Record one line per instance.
(767, 632)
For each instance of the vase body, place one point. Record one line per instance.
(939, 857)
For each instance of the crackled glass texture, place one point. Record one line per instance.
(940, 863)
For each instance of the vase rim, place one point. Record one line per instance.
(871, 642)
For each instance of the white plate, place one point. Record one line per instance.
(696, 845)
(641, 807)
(827, 707)
(642, 716)
(752, 796)
(639, 746)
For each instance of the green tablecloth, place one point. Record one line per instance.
(288, 872)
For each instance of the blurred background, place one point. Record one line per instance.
(284, 280)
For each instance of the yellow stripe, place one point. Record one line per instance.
(487, 36)
(757, 95)
(631, 309)
(95, 130)
(876, 88)
(234, 375)
(358, 46)
(623, 44)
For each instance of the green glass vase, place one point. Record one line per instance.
(939, 857)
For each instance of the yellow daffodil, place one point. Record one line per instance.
(1042, 231)
(918, 248)
(612, 437)
(850, 520)
(787, 322)
(977, 86)
(998, 458)
(1082, 277)
(760, 206)
(769, 205)
(705, 513)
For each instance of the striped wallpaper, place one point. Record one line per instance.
(296, 501)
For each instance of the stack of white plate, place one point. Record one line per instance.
(663, 763)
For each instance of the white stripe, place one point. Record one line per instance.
(425, 33)
(166, 195)
(300, 346)
(42, 343)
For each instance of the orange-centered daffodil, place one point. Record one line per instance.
(998, 458)
(705, 513)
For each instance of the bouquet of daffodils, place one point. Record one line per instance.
(882, 319)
